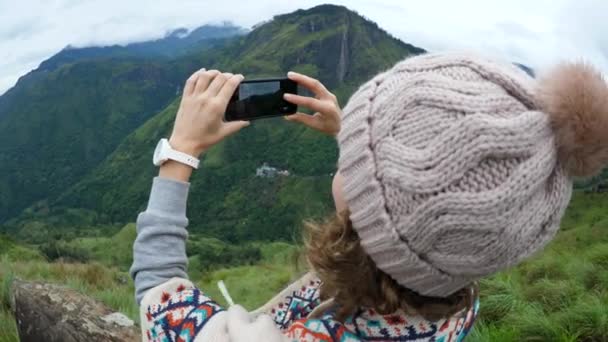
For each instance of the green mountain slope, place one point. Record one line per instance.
(60, 125)
(228, 201)
(63, 118)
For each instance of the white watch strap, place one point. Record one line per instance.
(183, 158)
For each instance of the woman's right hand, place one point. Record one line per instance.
(325, 104)
(199, 121)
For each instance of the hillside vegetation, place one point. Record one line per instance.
(58, 127)
(66, 116)
(228, 201)
(559, 295)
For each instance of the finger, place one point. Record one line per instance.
(217, 84)
(308, 102)
(191, 82)
(230, 87)
(204, 79)
(230, 128)
(309, 83)
(306, 119)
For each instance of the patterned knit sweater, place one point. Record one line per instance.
(178, 311)
(172, 308)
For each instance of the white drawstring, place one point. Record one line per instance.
(224, 291)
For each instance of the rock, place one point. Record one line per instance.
(53, 313)
(119, 319)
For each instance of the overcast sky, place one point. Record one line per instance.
(534, 32)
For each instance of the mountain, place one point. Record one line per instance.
(60, 126)
(228, 200)
(336, 45)
(62, 119)
(327, 42)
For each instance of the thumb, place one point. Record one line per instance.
(233, 127)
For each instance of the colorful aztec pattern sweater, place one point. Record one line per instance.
(173, 309)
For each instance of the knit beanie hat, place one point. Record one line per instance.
(456, 166)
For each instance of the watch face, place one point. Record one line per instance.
(158, 158)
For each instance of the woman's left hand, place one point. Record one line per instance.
(325, 104)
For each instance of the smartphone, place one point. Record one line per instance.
(255, 99)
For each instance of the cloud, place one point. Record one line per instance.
(537, 33)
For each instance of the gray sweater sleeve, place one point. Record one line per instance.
(159, 251)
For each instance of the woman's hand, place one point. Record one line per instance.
(199, 122)
(325, 104)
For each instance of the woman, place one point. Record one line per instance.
(452, 167)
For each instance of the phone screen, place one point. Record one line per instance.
(261, 98)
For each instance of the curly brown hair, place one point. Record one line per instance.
(349, 276)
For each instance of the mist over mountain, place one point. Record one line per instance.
(176, 43)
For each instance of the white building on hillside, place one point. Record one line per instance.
(267, 171)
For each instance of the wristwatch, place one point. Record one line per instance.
(165, 152)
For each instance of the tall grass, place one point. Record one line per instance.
(108, 285)
(560, 295)
(250, 286)
(8, 328)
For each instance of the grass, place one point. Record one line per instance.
(110, 251)
(8, 328)
(250, 286)
(559, 295)
(107, 284)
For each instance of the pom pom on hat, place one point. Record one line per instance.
(575, 95)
